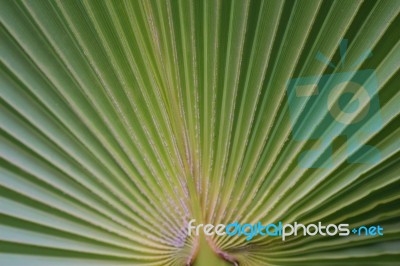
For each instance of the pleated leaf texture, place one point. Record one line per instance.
(123, 120)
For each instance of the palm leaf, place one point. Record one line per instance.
(123, 120)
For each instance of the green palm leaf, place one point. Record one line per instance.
(123, 120)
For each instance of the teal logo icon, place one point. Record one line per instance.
(342, 104)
